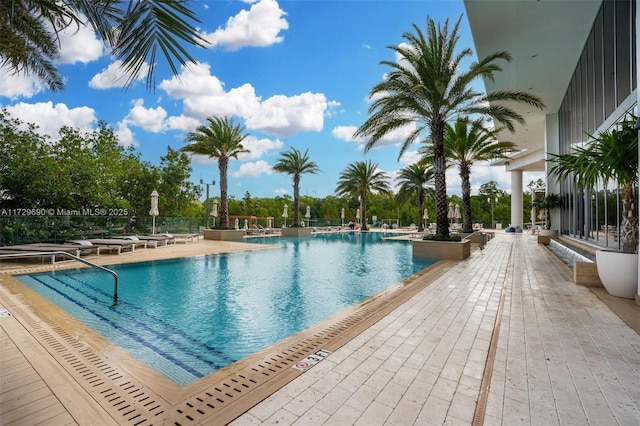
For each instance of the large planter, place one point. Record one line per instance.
(452, 250)
(549, 232)
(295, 232)
(224, 234)
(618, 273)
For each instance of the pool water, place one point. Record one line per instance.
(189, 317)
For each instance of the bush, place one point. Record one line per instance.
(453, 238)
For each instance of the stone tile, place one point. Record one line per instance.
(375, 414)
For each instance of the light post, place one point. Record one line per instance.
(492, 203)
(206, 202)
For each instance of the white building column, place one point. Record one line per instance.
(516, 198)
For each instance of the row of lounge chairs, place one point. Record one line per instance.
(95, 246)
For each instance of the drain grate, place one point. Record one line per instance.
(121, 396)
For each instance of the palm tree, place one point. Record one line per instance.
(427, 88)
(222, 139)
(133, 32)
(612, 155)
(416, 181)
(359, 180)
(295, 164)
(465, 143)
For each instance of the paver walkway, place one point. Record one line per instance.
(561, 356)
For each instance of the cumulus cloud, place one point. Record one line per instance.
(281, 191)
(150, 119)
(79, 44)
(395, 137)
(258, 27)
(258, 147)
(253, 169)
(204, 95)
(113, 76)
(125, 135)
(16, 85)
(183, 123)
(50, 118)
(285, 116)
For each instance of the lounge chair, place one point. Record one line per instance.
(185, 237)
(116, 244)
(159, 240)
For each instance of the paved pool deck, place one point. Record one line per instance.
(501, 338)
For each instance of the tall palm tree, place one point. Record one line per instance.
(359, 180)
(221, 139)
(427, 87)
(132, 30)
(416, 182)
(295, 164)
(465, 143)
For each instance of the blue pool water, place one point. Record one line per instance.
(189, 317)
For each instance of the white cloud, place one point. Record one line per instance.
(79, 44)
(51, 118)
(258, 147)
(395, 137)
(345, 133)
(150, 119)
(285, 116)
(180, 122)
(281, 191)
(259, 26)
(410, 157)
(113, 76)
(253, 169)
(125, 135)
(204, 95)
(16, 85)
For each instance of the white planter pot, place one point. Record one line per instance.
(618, 272)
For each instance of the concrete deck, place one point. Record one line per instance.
(503, 337)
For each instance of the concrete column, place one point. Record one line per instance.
(516, 198)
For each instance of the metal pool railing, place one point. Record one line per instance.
(79, 259)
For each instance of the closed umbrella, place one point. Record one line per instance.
(154, 210)
(308, 214)
(214, 211)
(342, 217)
(285, 214)
(425, 216)
(246, 224)
(450, 214)
(456, 213)
(358, 216)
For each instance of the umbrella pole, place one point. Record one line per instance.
(153, 226)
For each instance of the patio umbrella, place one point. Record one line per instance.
(154, 210)
(342, 217)
(456, 213)
(308, 214)
(285, 214)
(451, 213)
(425, 216)
(214, 211)
(246, 224)
(357, 215)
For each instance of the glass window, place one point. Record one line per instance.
(623, 49)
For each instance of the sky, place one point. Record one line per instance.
(294, 73)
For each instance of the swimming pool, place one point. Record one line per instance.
(189, 317)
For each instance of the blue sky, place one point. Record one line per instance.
(295, 73)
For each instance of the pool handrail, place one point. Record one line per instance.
(74, 257)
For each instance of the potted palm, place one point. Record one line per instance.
(546, 204)
(612, 155)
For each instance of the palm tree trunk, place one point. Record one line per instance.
(439, 178)
(629, 223)
(466, 197)
(421, 211)
(363, 211)
(296, 201)
(224, 204)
